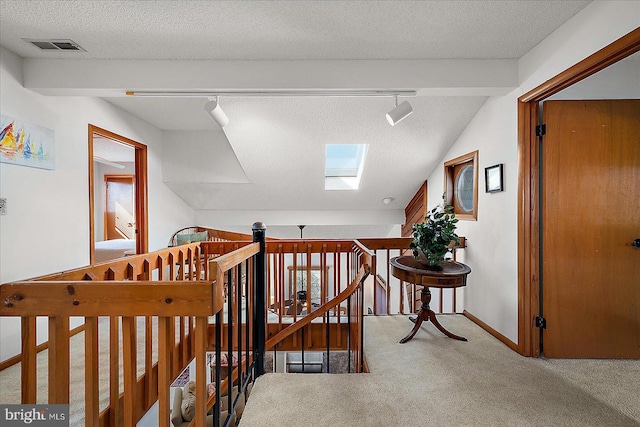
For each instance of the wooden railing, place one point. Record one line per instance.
(302, 274)
(202, 296)
(352, 296)
(171, 285)
(213, 235)
(240, 273)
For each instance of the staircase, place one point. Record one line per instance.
(193, 299)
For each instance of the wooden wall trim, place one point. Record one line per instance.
(449, 183)
(141, 189)
(528, 229)
(619, 49)
(415, 211)
(529, 186)
(45, 345)
(506, 341)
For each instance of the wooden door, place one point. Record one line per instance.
(590, 217)
(120, 208)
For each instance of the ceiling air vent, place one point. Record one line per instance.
(55, 44)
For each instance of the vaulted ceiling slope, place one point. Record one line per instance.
(454, 54)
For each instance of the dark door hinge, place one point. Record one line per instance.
(541, 322)
(541, 130)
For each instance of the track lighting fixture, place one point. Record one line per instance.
(215, 110)
(399, 113)
(271, 93)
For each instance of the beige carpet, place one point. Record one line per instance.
(436, 381)
(10, 377)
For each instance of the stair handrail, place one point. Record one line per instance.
(363, 273)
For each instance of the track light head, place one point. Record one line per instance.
(399, 113)
(215, 110)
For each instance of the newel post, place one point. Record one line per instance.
(259, 306)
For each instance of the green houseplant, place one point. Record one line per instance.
(432, 239)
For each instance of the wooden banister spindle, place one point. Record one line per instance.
(182, 266)
(200, 333)
(182, 342)
(190, 348)
(129, 353)
(375, 285)
(28, 360)
(335, 283)
(59, 360)
(174, 348)
(294, 297)
(281, 288)
(198, 262)
(191, 261)
(324, 287)
(165, 349)
(92, 378)
(338, 290)
(172, 266)
(149, 392)
(270, 283)
(114, 371)
(161, 265)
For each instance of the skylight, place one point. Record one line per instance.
(344, 165)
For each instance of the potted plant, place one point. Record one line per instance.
(433, 238)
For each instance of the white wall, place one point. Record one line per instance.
(492, 290)
(200, 156)
(47, 226)
(618, 81)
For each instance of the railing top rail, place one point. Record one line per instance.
(362, 248)
(214, 233)
(386, 243)
(97, 270)
(174, 254)
(109, 298)
(367, 254)
(363, 273)
(230, 260)
(308, 245)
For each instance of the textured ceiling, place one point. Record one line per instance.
(279, 142)
(285, 29)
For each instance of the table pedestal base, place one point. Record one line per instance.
(426, 314)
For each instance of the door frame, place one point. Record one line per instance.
(140, 195)
(107, 177)
(529, 260)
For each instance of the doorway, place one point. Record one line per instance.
(529, 217)
(117, 196)
(119, 213)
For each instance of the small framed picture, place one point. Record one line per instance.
(493, 179)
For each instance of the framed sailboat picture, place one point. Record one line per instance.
(26, 144)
